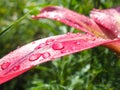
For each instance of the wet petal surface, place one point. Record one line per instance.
(24, 58)
(109, 19)
(71, 18)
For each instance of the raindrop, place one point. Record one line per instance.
(78, 43)
(58, 46)
(118, 36)
(49, 41)
(5, 65)
(102, 23)
(87, 22)
(40, 46)
(33, 42)
(78, 34)
(69, 33)
(64, 51)
(116, 31)
(73, 48)
(91, 39)
(46, 55)
(34, 57)
(45, 14)
(57, 17)
(77, 26)
(16, 67)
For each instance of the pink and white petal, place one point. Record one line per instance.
(71, 18)
(43, 50)
(109, 20)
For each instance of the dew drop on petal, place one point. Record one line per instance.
(16, 68)
(57, 17)
(78, 43)
(64, 51)
(118, 36)
(93, 39)
(58, 46)
(40, 46)
(5, 65)
(34, 57)
(73, 48)
(33, 42)
(69, 33)
(46, 55)
(49, 41)
(77, 26)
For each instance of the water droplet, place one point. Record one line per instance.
(34, 57)
(87, 22)
(102, 23)
(116, 31)
(77, 26)
(69, 33)
(5, 65)
(16, 67)
(49, 41)
(58, 46)
(64, 51)
(40, 46)
(57, 17)
(93, 39)
(73, 48)
(46, 55)
(78, 34)
(78, 43)
(33, 42)
(118, 36)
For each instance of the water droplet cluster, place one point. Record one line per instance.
(5, 66)
(35, 57)
(65, 44)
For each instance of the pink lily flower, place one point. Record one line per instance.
(101, 28)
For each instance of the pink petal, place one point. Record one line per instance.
(109, 20)
(114, 45)
(40, 51)
(71, 18)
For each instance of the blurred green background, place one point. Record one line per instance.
(94, 69)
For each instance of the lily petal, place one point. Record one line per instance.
(43, 50)
(71, 18)
(114, 45)
(109, 19)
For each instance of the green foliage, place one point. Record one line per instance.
(94, 69)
